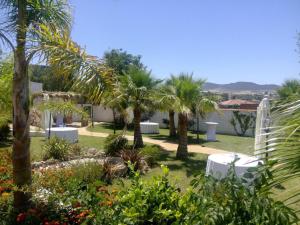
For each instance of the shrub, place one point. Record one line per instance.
(75, 150)
(152, 202)
(151, 154)
(114, 143)
(56, 148)
(4, 132)
(133, 157)
(88, 172)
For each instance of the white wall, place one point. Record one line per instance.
(223, 118)
(35, 87)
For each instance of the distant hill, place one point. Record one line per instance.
(240, 87)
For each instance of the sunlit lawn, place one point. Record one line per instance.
(225, 142)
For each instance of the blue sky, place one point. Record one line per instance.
(220, 40)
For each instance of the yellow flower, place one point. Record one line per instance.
(5, 195)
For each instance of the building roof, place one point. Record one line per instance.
(238, 102)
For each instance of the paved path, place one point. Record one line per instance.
(164, 144)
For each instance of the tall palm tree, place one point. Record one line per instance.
(39, 26)
(22, 17)
(138, 88)
(185, 96)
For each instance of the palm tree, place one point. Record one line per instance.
(138, 88)
(283, 148)
(183, 97)
(166, 103)
(40, 26)
(289, 89)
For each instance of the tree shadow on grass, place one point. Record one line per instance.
(174, 140)
(193, 165)
(7, 143)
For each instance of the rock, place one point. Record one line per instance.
(119, 170)
(93, 152)
(114, 160)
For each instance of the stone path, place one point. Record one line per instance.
(164, 144)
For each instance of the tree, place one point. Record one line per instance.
(289, 89)
(121, 61)
(50, 77)
(167, 100)
(47, 23)
(186, 97)
(138, 88)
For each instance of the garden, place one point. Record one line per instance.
(122, 178)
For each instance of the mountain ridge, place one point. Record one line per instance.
(240, 86)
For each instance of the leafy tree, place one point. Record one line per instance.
(138, 88)
(41, 27)
(121, 61)
(183, 95)
(51, 78)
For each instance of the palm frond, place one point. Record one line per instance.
(91, 74)
(56, 14)
(283, 146)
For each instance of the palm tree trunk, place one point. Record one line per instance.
(21, 142)
(182, 150)
(172, 129)
(138, 139)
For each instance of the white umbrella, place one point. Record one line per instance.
(262, 124)
(47, 119)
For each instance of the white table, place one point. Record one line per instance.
(218, 164)
(68, 133)
(149, 128)
(211, 131)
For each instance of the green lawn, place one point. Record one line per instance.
(84, 141)
(225, 142)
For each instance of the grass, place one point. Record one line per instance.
(181, 171)
(84, 141)
(37, 142)
(225, 142)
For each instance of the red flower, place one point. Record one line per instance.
(21, 217)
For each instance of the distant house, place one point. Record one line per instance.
(239, 104)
